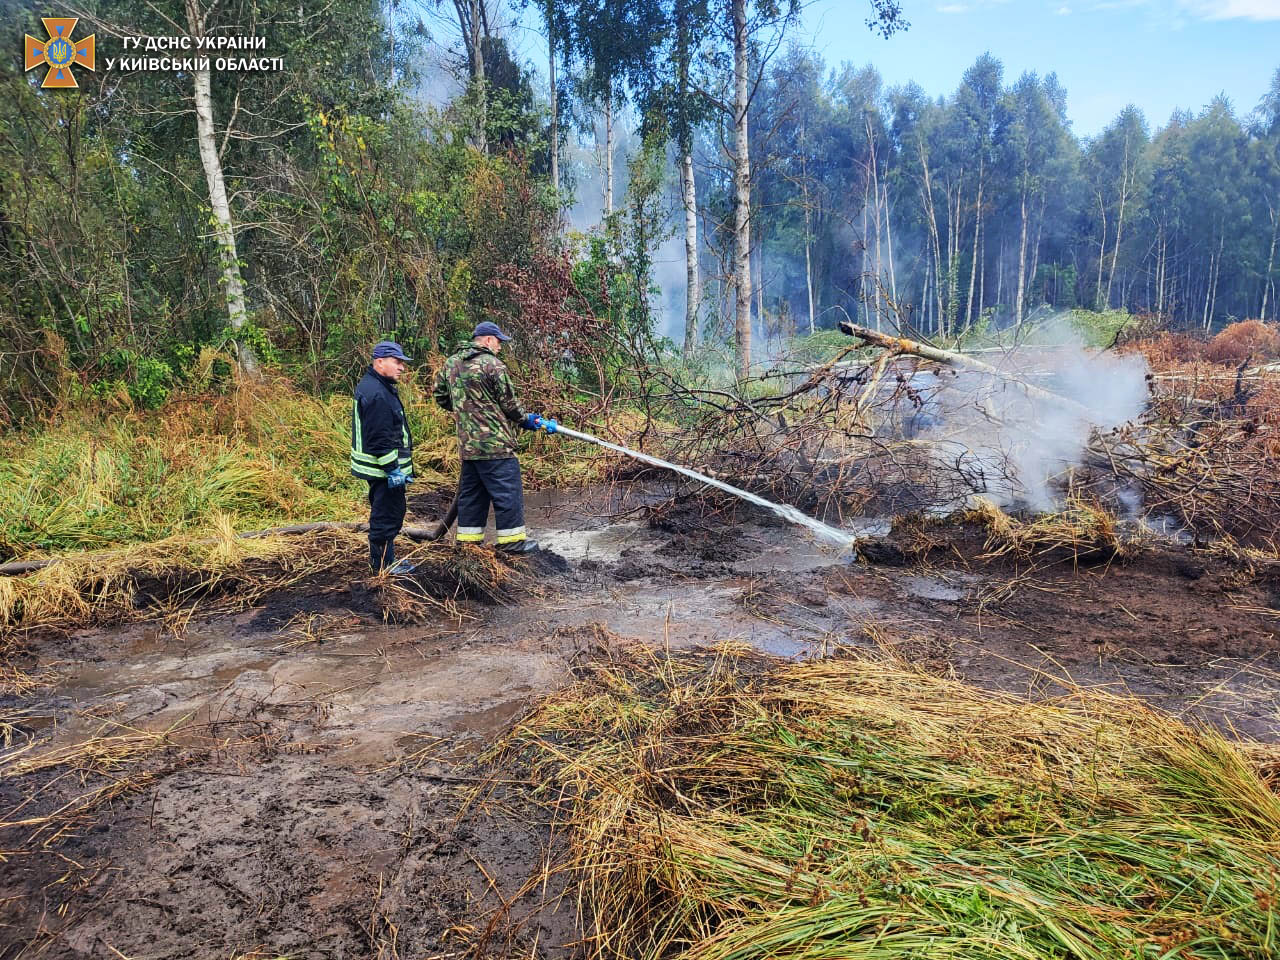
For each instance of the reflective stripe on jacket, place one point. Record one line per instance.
(380, 438)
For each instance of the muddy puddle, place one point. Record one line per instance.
(309, 801)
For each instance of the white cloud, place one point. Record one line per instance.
(953, 8)
(1064, 11)
(1232, 9)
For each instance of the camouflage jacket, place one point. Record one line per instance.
(474, 384)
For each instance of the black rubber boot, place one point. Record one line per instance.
(382, 553)
(518, 547)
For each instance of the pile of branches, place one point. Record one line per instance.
(837, 439)
(733, 806)
(1207, 453)
(856, 436)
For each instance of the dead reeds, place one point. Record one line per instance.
(162, 579)
(1080, 531)
(174, 579)
(730, 806)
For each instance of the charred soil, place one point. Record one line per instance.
(298, 779)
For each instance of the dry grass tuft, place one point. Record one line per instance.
(726, 805)
(448, 576)
(1080, 531)
(154, 580)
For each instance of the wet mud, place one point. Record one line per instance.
(311, 789)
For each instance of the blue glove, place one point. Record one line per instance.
(550, 425)
(398, 478)
(531, 421)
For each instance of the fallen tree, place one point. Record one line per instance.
(955, 359)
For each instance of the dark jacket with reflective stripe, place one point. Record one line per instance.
(380, 439)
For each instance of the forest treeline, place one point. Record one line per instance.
(158, 227)
(982, 206)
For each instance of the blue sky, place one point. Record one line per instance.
(1157, 54)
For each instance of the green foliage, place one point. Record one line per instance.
(147, 378)
(1100, 329)
(819, 347)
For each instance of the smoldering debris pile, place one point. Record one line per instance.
(1206, 454)
(1029, 429)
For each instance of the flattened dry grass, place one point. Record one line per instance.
(155, 579)
(179, 577)
(740, 807)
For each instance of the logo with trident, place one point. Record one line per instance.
(59, 51)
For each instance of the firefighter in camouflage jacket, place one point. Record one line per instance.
(474, 384)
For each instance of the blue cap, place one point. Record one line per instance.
(389, 348)
(487, 328)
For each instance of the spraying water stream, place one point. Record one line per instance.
(839, 538)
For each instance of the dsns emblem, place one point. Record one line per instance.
(59, 52)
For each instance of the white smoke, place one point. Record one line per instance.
(1017, 447)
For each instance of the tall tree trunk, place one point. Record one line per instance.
(759, 281)
(1035, 247)
(555, 99)
(693, 277)
(1217, 272)
(1102, 253)
(1000, 275)
(866, 250)
(1020, 298)
(933, 231)
(808, 260)
(925, 303)
(888, 245)
(875, 195)
(982, 276)
(1208, 290)
(1160, 271)
(1124, 197)
(223, 226)
(1271, 264)
(953, 257)
(977, 224)
(608, 154)
(689, 196)
(477, 45)
(742, 193)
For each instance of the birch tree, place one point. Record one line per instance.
(223, 225)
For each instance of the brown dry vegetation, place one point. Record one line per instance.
(1077, 586)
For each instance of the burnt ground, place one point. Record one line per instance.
(314, 792)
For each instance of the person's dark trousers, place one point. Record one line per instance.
(386, 516)
(490, 481)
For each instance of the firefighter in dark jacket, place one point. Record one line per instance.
(382, 452)
(474, 384)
